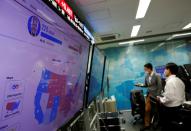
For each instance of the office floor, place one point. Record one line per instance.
(128, 125)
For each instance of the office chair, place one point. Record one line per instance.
(137, 105)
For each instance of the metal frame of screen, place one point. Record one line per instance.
(91, 64)
(105, 73)
(104, 67)
(67, 123)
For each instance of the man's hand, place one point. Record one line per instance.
(158, 99)
(140, 85)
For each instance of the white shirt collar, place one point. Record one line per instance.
(170, 77)
(152, 74)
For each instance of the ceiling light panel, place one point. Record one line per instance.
(142, 8)
(135, 30)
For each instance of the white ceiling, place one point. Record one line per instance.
(118, 16)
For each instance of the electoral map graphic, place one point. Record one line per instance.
(12, 108)
(50, 92)
(52, 96)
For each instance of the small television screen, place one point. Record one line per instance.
(160, 70)
(43, 67)
(96, 75)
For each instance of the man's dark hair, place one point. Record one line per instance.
(149, 66)
(172, 67)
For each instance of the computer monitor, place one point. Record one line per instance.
(160, 70)
(96, 75)
(43, 67)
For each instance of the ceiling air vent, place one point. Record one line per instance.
(109, 37)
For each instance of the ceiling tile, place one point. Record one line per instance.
(89, 2)
(118, 16)
(99, 14)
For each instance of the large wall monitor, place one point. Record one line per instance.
(43, 67)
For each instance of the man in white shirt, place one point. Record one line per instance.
(173, 96)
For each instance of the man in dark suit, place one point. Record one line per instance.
(154, 85)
